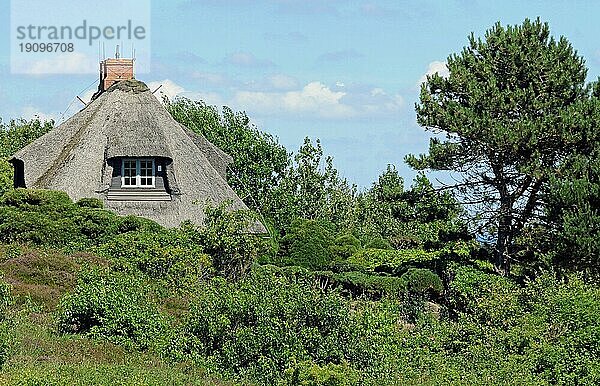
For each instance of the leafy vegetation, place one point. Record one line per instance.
(112, 305)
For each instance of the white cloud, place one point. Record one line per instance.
(377, 91)
(432, 68)
(32, 112)
(171, 90)
(316, 99)
(72, 63)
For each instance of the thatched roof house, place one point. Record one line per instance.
(125, 149)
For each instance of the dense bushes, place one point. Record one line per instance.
(421, 281)
(544, 332)
(171, 255)
(311, 374)
(392, 260)
(112, 305)
(307, 244)
(416, 284)
(226, 236)
(259, 326)
(479, 293)
(363, 285)
(378, 243)
(345, 246)
(50, 218)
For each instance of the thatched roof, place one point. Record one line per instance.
(128, 121)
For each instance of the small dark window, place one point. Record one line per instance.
(19, 176)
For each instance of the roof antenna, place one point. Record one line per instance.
(81, 100)
(117, 53)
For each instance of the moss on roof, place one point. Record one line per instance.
(129, 85)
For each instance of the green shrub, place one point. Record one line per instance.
(95, 224)
(171, 254)
(50, 218)
(345, 246)
(7, 342)
(226, 237)
(397, 261)
(90, 202)
(111, 305)
(492, 298)
(256, 327)
(6, 299)
(379, 243)
(561, 330)
(393, 260)
(37, 228)
(132, 223)
(36, 197)
(420, 285)
(546, 332)
(419, 282)
(360, 284)
(311, 374)
(6, 175)
(307, 244)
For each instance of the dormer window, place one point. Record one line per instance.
(138, 173)
(139, 179)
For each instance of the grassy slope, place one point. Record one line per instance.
(42, 357)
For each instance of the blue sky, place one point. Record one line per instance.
(346, 72)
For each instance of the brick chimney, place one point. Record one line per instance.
(113, 71)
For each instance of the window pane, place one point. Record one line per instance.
(129, 172)
(146, 172)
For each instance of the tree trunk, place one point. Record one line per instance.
(504, 234)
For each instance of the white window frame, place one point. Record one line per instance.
(138, 177)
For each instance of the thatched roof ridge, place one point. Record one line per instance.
(129, 85)
(128, 121)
